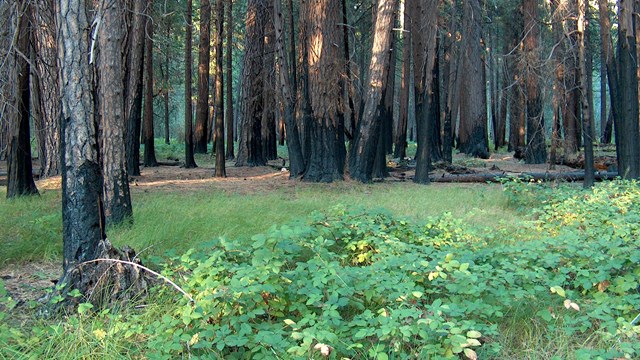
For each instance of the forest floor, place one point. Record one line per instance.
(29, 281)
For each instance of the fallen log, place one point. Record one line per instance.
(500, 177)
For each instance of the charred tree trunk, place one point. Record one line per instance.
(20, 173)
(228, 117)
(149, 137)
(220, 170)
(367, 137)
(269, 139)
(586, 108)
(133, 85)
(189, 161)
(611, 67)
(117, 200)
(400, 148)
(473, 103)
(204, 57)
(536, 149)
(250, 148)
(296, 159)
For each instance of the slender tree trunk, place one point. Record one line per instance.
(202, 105)
(400, 149)
(586, 108)
(117, 200)
(165, 93)
(348, 71)
(452, 85)
(228, 117)
(603, 94)
(189, 161)
(82, 207)
(536, 149)
(611, 66)
(20, 173)
(269, 140)
(296, 159)
(220, 170)
(250, 148)
(133, 85)
(366, 140)
(149, 137)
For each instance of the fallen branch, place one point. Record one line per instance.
(499, 177)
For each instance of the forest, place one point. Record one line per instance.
(240, 179)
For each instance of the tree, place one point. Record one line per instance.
(228, 117)
(20, 173)
(110, 99)
(296, 159)
(220, 170)
(82, 206)
(536, 148)
(321, 68)
(149, 137)
(473, 101)
(366, 139)
(269, 140)
(250, 148)
(189, 161)
(202, 105)
(586, 106)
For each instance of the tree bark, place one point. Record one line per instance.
(149, 137)
(269, 139)
(220, 170)
(20, 173)
(610, 62)
(204, 57)
(117, 200)
(166, 86)
(400, 148)
(536, 149)
(82, 207)
(133, 81)
(586, 108)
(296, 159)
(228, 117)
(189, 161)
(250, 148)
(366, 140)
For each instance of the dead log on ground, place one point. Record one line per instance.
(499, 177)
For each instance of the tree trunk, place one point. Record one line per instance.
(626, 122)
(20, 173)
(228, 117)
(611, 67)
(323, 64)
(202, 105)
(82, 208)
(269, 139)
(117, 200)
(165, 93)
(452, 86)
(366, 140)
(296, 159)
(347, 58)
(473, 102)
(133, 81)
(586, 108)
(189, 161)
(220, 170)
(250, 148)
(45, 83)
(400, 149)
(536, 149)
(149, 137)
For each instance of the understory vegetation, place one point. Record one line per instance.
(560, 282)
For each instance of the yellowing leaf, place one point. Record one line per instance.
(474, 334)
(99, 334)
(557, 290)
(470, 354)
(289, 322)
(571, 305)
(448, 257)
(473, 342)
(417, 294)
(194, 339)
(464, 266)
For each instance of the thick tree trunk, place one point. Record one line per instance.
(133, 84)
(20, 173)
(400, 148)
(611, 68)
(82, 208)
(627, 131)
(348, 70)
(473, 102)
(323, 64)
(149, 137)
(220, 170)
(296, 159)
(189, 161)
(45, 84)
(451, 85)
(536, 149)
(250, 152)
(367, 137)
(228, 117)
(269, 139)
(202, 105)
(117, 200)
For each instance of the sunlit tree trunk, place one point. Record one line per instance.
(204, 57)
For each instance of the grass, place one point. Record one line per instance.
(178, 220)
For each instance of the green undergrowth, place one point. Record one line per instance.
(361, 284)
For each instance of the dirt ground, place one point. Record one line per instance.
(29, 281)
